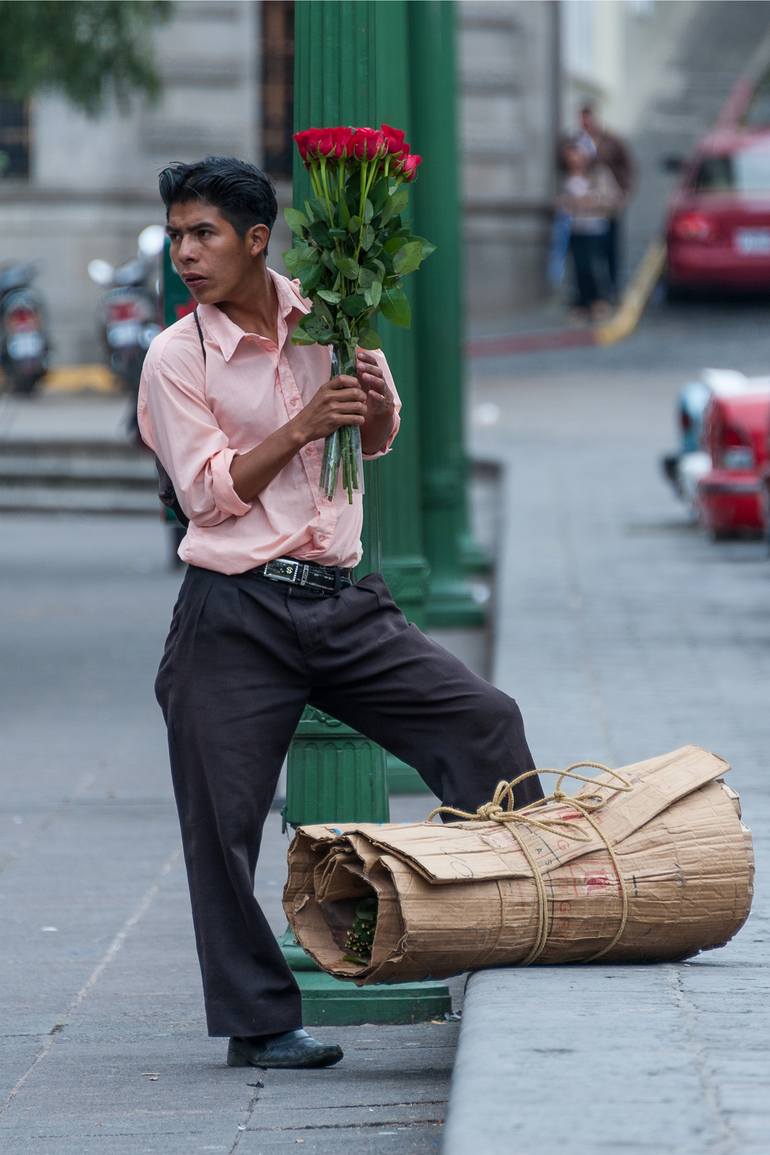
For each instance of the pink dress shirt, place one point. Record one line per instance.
(197, 417)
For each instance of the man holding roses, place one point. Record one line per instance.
(270, 616)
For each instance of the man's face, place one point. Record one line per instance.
(211, 258)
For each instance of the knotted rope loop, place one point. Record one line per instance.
(500, 809)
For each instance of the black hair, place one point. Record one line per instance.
(244, 194)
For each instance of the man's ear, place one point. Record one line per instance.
(257, 237)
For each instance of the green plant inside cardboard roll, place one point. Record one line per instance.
(360, 937)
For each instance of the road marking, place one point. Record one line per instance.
(635, 297)
(79, 378)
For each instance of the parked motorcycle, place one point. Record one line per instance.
(24, 343)
(130, 308)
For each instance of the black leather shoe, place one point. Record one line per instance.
(291, 1049)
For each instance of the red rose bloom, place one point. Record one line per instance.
(366, 144)
(410, 166)
(395, 140)
(304, 141)
(342, 141)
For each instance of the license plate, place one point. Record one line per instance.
(24, 345)
(752, 241)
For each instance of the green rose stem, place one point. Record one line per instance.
(343, 447)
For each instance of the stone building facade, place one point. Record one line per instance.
(90, 184)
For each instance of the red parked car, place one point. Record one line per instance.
(764, 484)
(718, 226)
(736, 432)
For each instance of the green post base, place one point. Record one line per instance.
(403, 779)
(337, 1003)
(451, 604)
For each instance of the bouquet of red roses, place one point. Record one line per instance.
(352, 247)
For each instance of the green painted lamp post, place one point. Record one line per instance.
(350, 69)
(440, 345)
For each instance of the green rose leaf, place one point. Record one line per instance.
(322, 310)
(320, 232)
(395, 306)
(319, 208)
(346, 265)
(310, 277)
(343, 214)
(290, 261)
(300, 336)
(329, 295)
(408, 258)
(338, 234)
(296, 220)
(378, 194)
(355, 304)
(369, 339)
(368, 211)
(395, 204)
(373, 294)
(317, 328)
(427, 247)
(393, 244)
(367, 237)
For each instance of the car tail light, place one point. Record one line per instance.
(694, 227)
(22, 318)
(122, 311)
(733, 450)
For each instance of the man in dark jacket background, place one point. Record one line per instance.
(612, 151)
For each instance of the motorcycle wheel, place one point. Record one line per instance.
(22, 382)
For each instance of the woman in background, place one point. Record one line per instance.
(590, 195)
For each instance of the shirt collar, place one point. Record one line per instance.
(227, 335)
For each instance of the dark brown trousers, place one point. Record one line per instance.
(244, 656)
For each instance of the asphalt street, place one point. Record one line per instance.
(621, 630)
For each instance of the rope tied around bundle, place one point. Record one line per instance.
(500, 809)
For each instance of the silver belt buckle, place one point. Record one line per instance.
(283, 569)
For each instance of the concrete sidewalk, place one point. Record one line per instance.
(623, 633)
(104, 1046)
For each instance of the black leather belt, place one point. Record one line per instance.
(328, 578)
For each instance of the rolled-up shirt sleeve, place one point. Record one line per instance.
(178, 425)
(396, 412)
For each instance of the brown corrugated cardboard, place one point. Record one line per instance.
(544, 886)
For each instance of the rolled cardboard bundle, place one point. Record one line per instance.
(646, 864)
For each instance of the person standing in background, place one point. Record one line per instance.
(589, 195)
(613, 153)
